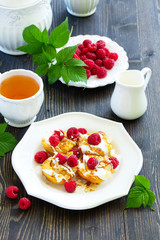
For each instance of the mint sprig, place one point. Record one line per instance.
(140, 194)
(7, 141)
(50, 61)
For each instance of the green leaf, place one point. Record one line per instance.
(42, 69)
(54, 73)
(50, 52)
(74, 62)
(65, 75)
(142, 182)
(40, 59)
(31, 49)
(45, 36)
(66, 54)
(3, 127)
(32, 34)
(7, 143)
(137, 197)
(77, 74)
(152, 198)
(60, 35)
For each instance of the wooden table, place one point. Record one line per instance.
(135, 26)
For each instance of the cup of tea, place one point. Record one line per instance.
(21, 96)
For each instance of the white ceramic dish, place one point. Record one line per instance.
(115, 187)
(120, 65)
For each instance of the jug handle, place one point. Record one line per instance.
(147, 72)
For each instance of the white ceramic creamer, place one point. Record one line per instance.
(15, 15)
(128, 100)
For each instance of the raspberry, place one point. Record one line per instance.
(94, 69)
(113, 56)
(72, 161)
(72, 133)
(107, 52)
(61, 158)
(86, 42)
(84, 51)
(94, 139)
(101, 72)
(81, 46)
(54, 140)
(78, 51)
(40, 156)
(88, 72)
(24, 203)
(91, 56)
(76, 56)
(114, 162)
(98, 62)
(101, 53)
(108, 63)
(70, 186)
(92, 163)
(12, 192)
(100, 44)
(92, 47)
(60, 134)
(82, 130)
(90, 63)
(83, 57)
(76, 152)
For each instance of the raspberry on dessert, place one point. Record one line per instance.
(86, 42)
(70, 186)
(24, 203)
(60, 134)
(92, 163)
(101, 72)
(72, 133)
(113, 56)
(101, 53)
(90, 64)
(94, 69)
(88, 72)
(114, 162)
(40, 156)
(61, 158)
(76, 152)
(76, 56)
(82, 130)
(12, 192)
(91, 56)
(84, 51)
(81, 46)
(72, 161)
(100, 44)
(94, 139)
(54, 140)
(83, 57)
(107, 52)
(92, 47)
(98, 62)
(108, 63)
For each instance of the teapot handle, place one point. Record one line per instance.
(147, 72)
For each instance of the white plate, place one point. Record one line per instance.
(120, 65)
(115, 187)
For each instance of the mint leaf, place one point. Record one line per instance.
(40, 59)
(66, 54)
(60, 35)
(31, 49)
(42, 69)
(65, 75)
(32, 34)
(136, 197)
(7, 143)
(54, 73)
(49, 52)
(152, 198)
(142, 182)
(74, 62)
(77, 74)
(3, 127)
(45, 36)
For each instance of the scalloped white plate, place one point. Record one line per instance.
(120, 65)
(116, 186)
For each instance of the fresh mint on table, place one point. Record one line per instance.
(140, 194)
(7, 141)
(43, 47)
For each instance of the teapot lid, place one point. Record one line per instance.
(17, 3)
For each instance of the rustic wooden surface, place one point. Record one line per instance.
(135, 26)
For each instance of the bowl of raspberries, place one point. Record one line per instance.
(103, 58)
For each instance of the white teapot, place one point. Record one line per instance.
(18, 14)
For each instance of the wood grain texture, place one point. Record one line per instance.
(135, 25)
